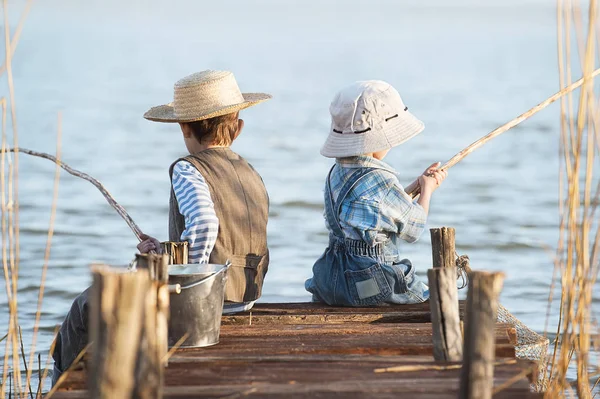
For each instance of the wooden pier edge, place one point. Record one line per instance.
(274, 359)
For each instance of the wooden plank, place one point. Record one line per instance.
(304, 376)
(333, 356)
(348, 339)
(357, 342)
(382, 339)
(505, 333)
(255, 393)
(318, 313)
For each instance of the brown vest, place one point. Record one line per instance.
(242, 206)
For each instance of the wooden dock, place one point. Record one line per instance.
(303, 350)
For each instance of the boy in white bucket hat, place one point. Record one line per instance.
(367, 210)
(218, 204)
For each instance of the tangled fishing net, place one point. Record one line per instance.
(530, 345)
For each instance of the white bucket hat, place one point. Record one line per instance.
(204, 95)
(368, 116)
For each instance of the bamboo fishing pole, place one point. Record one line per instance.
(111, 201)
(507, 126)
(414, 192)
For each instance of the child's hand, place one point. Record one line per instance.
(431, 179)
(149, 244)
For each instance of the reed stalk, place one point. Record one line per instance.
(579, 234)
(46, 253)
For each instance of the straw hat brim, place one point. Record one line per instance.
(166, 113)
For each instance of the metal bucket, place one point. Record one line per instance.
(196, 303)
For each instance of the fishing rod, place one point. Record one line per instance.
(413, 192)
(507, 126)
(111, 201)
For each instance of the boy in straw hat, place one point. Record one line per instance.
(367, 210)
(219, 204)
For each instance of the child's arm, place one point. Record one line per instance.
(400, 210)
(429, 182)
(197, 208)
(412, 187)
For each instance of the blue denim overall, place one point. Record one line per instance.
(353, 273)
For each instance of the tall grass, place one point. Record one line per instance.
(578, 248)
(14, 354)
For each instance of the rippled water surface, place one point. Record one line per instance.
(462, 69)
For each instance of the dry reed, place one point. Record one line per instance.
(9, 190)
(579, 235)
(46, 255)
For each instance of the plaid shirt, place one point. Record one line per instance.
(378, 206)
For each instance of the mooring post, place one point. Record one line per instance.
(477, 375)
(118, 303)
(177, 251)
(157, 266)
(443, 301)
(443, 247)
(445, 318)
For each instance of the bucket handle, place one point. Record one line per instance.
(177, 288)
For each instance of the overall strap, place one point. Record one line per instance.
(332, 210)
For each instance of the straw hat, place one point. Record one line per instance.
(204, 95)
(366, 117)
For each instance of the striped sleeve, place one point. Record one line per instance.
(197, 208)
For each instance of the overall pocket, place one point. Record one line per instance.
(367, 287)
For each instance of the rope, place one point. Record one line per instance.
(463, 270)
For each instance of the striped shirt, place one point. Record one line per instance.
(377, 206)
(198, 210)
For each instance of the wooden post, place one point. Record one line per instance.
(477, 375)
(157, 266)
(445, 318)
(117, 305)
(178, 252)
(442, 247)
(153, 347)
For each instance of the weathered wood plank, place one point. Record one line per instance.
(332, 339)
(308, 372)
(505, 333)
(331, 352)
(382, 339)
(256, 393)
(318, 313)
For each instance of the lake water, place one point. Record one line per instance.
(464, 69)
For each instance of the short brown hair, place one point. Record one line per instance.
(220, 130)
